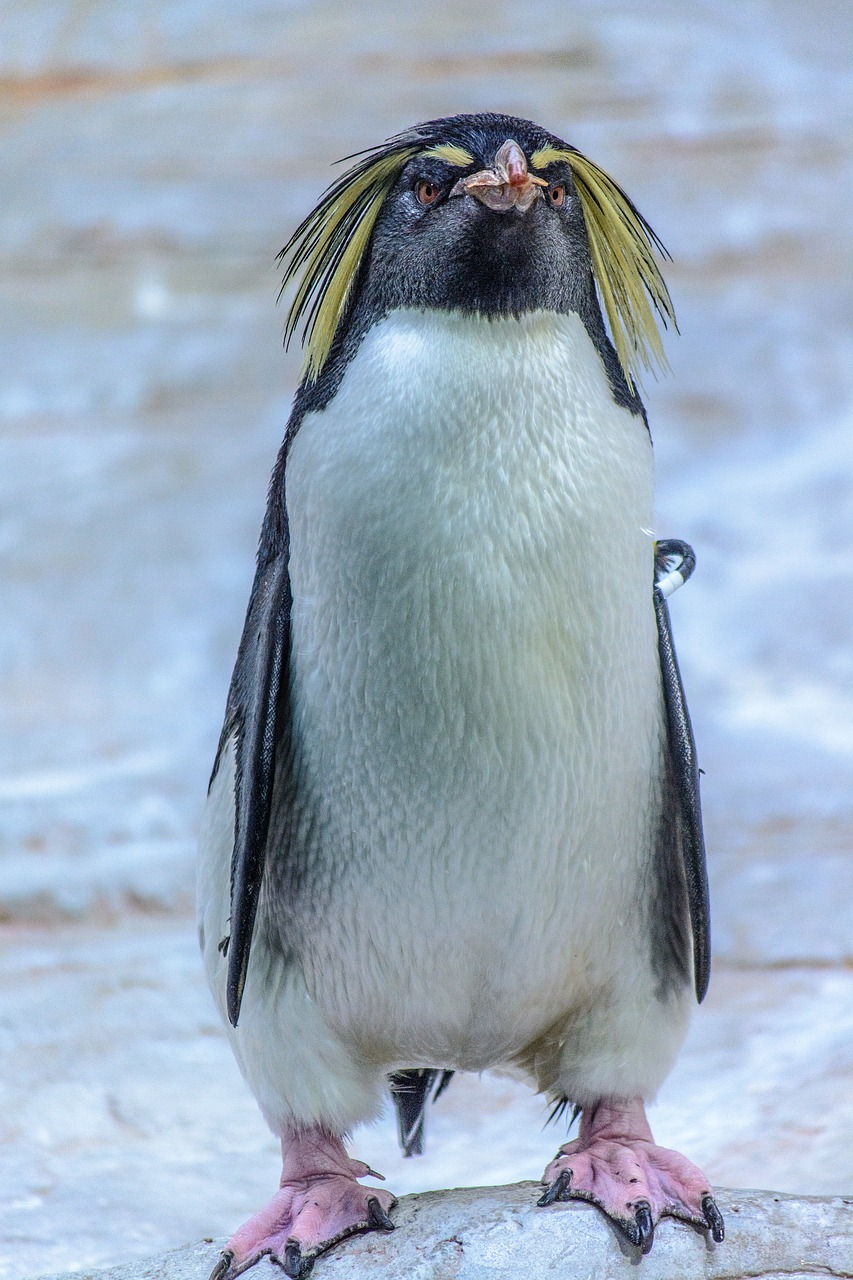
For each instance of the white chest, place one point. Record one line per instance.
(475, 689)
(470, 514)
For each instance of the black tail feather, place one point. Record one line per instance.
(559, 1109)
(411, 1091)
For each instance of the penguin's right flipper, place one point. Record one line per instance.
(411, 1092)
(682, 750)
(251, 720)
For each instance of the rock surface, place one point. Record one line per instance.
(498, 1233)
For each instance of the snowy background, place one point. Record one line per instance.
(155, 157)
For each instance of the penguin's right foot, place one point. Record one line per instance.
(318, 1204)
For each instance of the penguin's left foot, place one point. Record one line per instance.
(615, 1164)
(319, 1203)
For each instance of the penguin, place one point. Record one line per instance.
(453, 822)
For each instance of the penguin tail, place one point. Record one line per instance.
(411, 1091)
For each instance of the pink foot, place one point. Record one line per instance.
(319, 1203)
(616, 1165)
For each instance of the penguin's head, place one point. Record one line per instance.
(477, 223)
(486, 214)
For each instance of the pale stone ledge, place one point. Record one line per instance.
(497, 1233)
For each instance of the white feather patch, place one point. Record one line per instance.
(477, 704)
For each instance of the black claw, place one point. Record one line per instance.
(645, 1226)
(223, 1265)
(713, 1217)
(295, 1265)
(558, 1189)
(376, 1215)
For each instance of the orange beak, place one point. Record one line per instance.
(507, 185)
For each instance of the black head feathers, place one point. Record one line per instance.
(325, 256)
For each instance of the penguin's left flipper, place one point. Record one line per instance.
(682, 753)
(252, 721)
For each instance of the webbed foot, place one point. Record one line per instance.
(318, 1204)
(615, 1164)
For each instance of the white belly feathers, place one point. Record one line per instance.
(474, 681)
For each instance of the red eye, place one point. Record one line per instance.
(557, 195)
(427, 193)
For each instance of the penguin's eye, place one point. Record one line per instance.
(557, 195)
(427, 193)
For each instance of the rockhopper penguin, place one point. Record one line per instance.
(453, 821)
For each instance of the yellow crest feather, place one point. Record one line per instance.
(327, 247)
(326, 250)
(622, 246)
(451, 153)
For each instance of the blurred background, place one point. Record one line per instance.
(154, 158)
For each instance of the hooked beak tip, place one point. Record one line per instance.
(506, 185)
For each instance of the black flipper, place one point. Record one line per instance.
(683, 754)
(411, 1091)
(252, 719)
